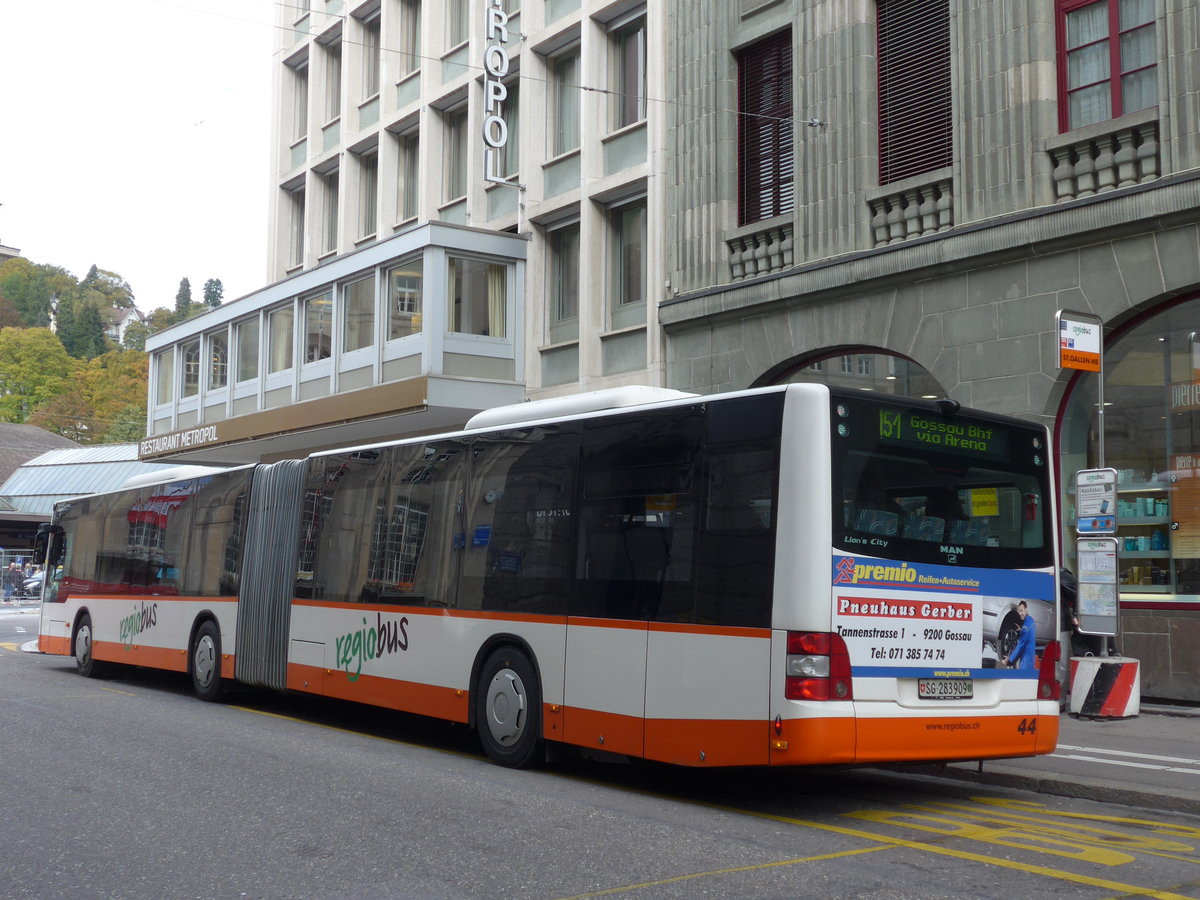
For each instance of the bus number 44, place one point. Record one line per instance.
(1027, 726)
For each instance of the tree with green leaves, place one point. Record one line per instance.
(183, 300)
(80, 324)
(115, 290)
(135, 335)
(33, 289)
(34, 368)
(214, 292)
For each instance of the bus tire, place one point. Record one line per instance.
(205, 665)
(508, 708)
(83, 651)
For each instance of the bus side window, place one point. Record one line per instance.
(520, 520)
(736, 559)
(637, 516)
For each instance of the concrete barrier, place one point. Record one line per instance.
(1105, 687)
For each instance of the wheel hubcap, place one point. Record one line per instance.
(506, 707)
(83, 645)
(204, 664)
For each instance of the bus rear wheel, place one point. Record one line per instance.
(206, 662)
(508, 708)
(85, 660)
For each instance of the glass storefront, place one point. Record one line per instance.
(1152, 438)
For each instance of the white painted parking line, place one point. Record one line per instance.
(1130, 760)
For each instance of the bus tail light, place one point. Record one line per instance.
(1049, 687)
(817, 667)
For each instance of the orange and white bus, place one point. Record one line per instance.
(780, 576)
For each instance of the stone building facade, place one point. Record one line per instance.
(951, 189)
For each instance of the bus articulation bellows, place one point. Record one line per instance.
(779, 576)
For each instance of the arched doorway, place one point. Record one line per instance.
(864, 368)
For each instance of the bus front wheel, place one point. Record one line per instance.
(206, 662)
(85, 660)
(508, 708)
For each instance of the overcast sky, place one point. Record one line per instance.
(134, 135)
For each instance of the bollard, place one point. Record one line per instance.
(1105, 687)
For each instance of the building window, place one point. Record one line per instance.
(333, 81)
(564, 283)
(765, 130)
(410, 36)
(218, 360)
(629, 71)
(478, 297)
(457, 22)
(368, 183)
(191, 369)
(627, 259)
(296, 245)
(164, 369)
(847, 365)
(318, 327)
(456, 154)
(247, 350)
(300, 101)
(370, 59)
(1109, 61)
(565, 85)
(329, 224)
(404, 299)
(280, 338)
(865, 364)
(408, 182)
(915, 119)
(358, 314)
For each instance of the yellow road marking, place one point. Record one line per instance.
(7, 646)
(1026, 867)
(734, 869)
(115, 691)
(887, 840)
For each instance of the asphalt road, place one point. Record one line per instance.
(129, 787)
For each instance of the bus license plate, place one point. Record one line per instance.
(944, 689)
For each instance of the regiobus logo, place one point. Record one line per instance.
(849, 571)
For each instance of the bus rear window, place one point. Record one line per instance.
(901, 496)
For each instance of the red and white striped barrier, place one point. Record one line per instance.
(1105, 687)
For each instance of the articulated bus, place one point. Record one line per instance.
(779, 576)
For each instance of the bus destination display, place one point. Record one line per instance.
(915, 428)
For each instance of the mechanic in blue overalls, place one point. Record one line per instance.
(1024, 653)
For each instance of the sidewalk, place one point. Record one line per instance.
(1151, 760)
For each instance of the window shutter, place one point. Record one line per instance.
(915, 133)
(766, 169)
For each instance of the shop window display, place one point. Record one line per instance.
(1152, 438)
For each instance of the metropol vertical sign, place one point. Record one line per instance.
(495, 66)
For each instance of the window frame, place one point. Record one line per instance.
(766, 130)
(566, 108)
(625, 312)
(563, 327)
(1116, 73)
(914, 60)
(629, 104)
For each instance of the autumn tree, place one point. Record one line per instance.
(34, 368)
(105, 402)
